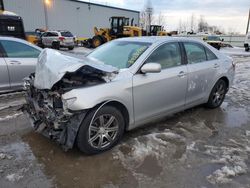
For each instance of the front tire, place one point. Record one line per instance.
(217, 94)
(105, 131)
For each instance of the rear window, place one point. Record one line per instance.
(66, 34)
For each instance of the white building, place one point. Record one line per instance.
(74, 15)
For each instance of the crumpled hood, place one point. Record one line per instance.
(53, 65)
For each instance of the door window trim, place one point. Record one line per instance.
(185, 52)
(2, 50)
(168, 42)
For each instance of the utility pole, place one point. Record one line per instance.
(248, 22)
(46, 4)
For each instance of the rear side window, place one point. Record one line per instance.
(195, 53)
(210, 55)
(66, 34)
(19, 50)
(168, 55)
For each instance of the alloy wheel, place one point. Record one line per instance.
(103, 131)
(219, 94)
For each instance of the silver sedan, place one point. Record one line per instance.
(122, 85)
(18, 59)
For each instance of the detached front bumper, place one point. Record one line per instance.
(48, 117)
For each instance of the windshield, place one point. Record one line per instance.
(120, 54)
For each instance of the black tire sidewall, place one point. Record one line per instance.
(210, 103)
(83, 133)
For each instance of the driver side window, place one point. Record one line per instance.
(168, 55)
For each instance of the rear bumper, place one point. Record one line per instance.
(65, 44)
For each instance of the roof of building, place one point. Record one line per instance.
(107, 6)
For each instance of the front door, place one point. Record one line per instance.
(159, 93)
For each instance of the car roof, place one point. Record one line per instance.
(158, 39)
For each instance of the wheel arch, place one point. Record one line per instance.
(118, 105)
(224, 78)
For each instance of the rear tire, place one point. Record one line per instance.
(56, 45)
(217, 94)
(71, 48)
(104, 133)
(247, 49)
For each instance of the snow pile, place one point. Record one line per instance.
(14, 177)
(240, 91)
(5, 156)
(234, 161)
(9, 117)
(157, 145)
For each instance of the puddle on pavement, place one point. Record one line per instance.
(73, 168)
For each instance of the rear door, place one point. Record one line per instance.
(4, 73)
(203, 67)
(21, 61)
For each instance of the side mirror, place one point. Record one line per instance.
(151, 68)
(222, 40)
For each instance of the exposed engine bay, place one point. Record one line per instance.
(45, 107)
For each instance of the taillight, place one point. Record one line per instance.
(61, 38)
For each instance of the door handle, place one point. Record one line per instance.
(15, 62)
(181, 74)
(216, 65)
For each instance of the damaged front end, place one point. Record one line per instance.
(47, 111)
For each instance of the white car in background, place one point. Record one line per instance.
(247, 42)
(57, 40)
(18, 59)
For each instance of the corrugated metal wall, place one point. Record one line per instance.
(32, 12)
(79, 18)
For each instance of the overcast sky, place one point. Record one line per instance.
(229, 14)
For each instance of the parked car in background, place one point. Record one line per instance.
(57, 40)
(214, 41)
(18, 59)
(247, 42)
(121, 85)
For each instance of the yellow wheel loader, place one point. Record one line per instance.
(119, 27)
(157, 30)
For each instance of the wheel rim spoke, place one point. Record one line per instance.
(109, 138)
(101, 120)
(110, 121)
(100, 142)
(93, 128)
(112, 129)
(92, 139)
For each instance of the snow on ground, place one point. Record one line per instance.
(233, 158)
(235, 51)
(9, 117)
(240, 91)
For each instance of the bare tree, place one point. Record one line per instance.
(202, 25)
(192, 22)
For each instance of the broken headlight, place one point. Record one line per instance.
(68, 102)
